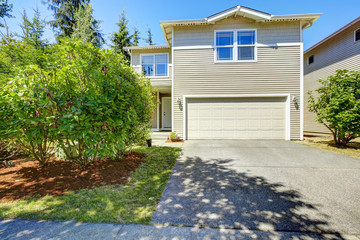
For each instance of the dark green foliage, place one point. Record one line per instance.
(337, 105)
(65, 21)
(5, 10)
(121, 38)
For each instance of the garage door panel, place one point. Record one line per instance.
(251, 118)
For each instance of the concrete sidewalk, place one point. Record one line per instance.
(39, 230)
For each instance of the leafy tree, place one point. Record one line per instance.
(27, 111)
(64, 13)
(121, 38)
(149, 37)
(86, 101)
(338, 105)
(135, 37)
(86, 29)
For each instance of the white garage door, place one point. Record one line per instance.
(236, 118)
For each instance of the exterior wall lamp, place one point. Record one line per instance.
(178, 100)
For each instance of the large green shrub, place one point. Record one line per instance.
(337, 105)
(86, 100)
(27, 111)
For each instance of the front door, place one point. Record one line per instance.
(166, 112)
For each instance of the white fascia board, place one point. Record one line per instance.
(255, 13)
(164, 33)
(222, 15)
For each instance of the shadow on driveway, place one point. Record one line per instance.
(210, 193)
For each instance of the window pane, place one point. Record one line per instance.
(161, 58)
(246, 53)
(225, 53)
(247, 37)
(148, 70)
(311, 59)
(224, 38)
(147, 60)
(161, 70)
(147, 63)
(357, 35)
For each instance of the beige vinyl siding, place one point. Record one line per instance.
(268, 33)
(136, 64)
(341, 52)
(276, 72)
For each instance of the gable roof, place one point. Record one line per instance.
(341, 30)
(146, 47)
(255, 15)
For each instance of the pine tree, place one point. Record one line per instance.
(149, 37)
(64, 14)
(33, 37)
(121, 38)
(135, 37)
(5, 10)
(84, 29)
(33, 30)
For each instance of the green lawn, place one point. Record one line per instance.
(134, 202)
(353, 149)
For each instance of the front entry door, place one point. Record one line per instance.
(166, 112)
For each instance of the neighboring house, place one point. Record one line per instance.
(340, 50)
(237, 74)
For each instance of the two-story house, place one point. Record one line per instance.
(237, 74)
(340, 50)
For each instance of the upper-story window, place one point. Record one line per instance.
(155, 65)
(235, 45)
(311, 59)
(357, 35)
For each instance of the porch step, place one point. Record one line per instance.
(160, 135)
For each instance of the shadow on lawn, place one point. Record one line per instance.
(211, 194)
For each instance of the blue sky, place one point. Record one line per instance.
(145, 13)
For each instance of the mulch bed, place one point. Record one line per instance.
(172, 141)
(27, 179)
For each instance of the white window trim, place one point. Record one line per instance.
(153, 54)
(355, 36)
(235, 46)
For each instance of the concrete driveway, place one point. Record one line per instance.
(262, 185)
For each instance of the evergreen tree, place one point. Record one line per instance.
(121, 38)
(149, 37)
(64, 13)
(135, 37)
(5, 10)
(84, 29)
(33, 30)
